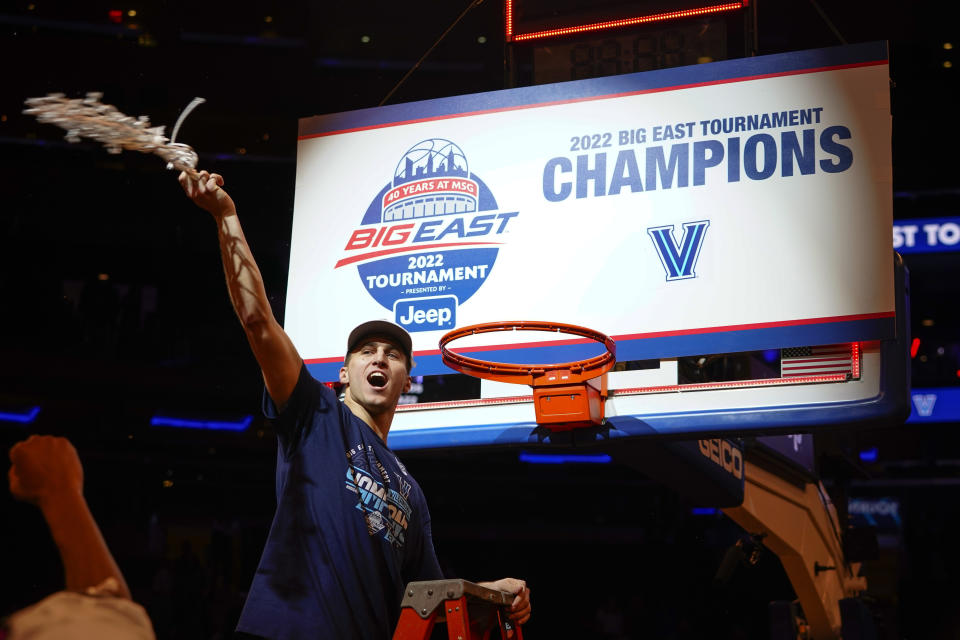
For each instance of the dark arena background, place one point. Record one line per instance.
(116, 329)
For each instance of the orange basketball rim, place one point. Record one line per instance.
(565, 395)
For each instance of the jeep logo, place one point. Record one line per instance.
(427, 314)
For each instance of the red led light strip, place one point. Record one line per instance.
(855, 360)
(673, 388)
(614, 24)
(476, 402)
(737, 384)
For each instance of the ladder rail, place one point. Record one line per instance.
(470, 611)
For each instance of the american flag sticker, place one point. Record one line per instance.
(813, 361)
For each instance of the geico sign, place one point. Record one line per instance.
(724, 454)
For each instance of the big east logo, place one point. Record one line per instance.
(429, 239)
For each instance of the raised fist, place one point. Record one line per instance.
(44, 468)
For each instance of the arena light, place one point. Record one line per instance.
(22, 417)
(564, 458)
(615, 24)
(188, 423)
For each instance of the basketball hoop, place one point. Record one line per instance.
(565, 395)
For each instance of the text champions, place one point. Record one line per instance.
(749, 156)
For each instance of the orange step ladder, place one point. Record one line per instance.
(471, 612)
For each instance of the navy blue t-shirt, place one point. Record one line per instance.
(351, 528)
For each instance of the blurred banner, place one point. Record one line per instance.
(938, 404)
(927, 235)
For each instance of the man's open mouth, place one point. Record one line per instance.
(377, 379)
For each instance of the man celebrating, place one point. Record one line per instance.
(352, 527)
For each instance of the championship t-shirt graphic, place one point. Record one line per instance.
(382, 499)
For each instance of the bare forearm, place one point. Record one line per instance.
(278, 358)
(244, 282)
(87, 560)
(272, 347)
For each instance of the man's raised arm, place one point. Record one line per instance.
(273, 349)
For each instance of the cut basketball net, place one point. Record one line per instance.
(90, 118)
(565, 395)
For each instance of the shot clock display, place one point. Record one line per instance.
(574, 40)
(645, 49)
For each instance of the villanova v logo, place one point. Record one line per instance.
(924, 402)
(679, 261)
